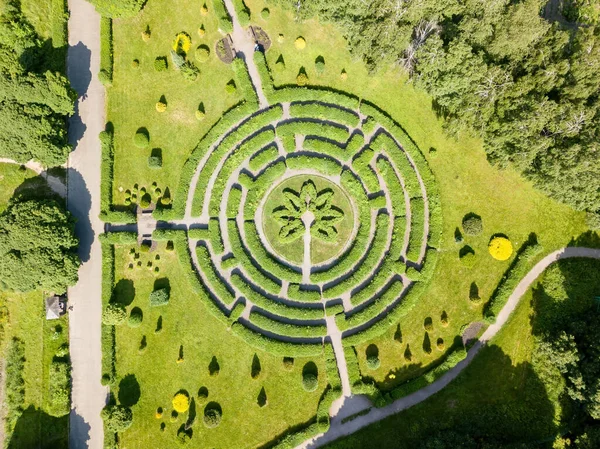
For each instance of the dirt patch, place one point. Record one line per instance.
(261, 37)
(471, 332)
(224, 50)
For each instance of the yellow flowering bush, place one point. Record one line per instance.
(181, 403)
(161, 107)
(183, 43)
(500, 248)
(300, 43)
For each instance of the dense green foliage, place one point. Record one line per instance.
(117, 418)
(34, 99)
(118, 8)
(527, 86)
(38, 247)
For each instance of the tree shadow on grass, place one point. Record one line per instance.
(129, 390)
(124, 292)
(36, 429)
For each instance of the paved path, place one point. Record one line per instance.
(55, 184)
(339, 429)
(83, 61)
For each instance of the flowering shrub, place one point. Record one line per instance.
(181, 403)
(161, 107)
(500, 248)
(302, 79)
(183, 43)
(300, 43)
(202, 53)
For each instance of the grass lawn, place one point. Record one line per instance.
(320, 250)
(136, 90)
(23, 317)
(468, 183)
(149, 379)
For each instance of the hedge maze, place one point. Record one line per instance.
(378, 272)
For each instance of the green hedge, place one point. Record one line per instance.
(225, 23)
(275, 347)
(218, 287)
(376, 251)
(242, 11)
(325, 165)
(333, 375)
(248, 127)
(394, 187)
(106, 50)
(260, 186)
(59, 388)
(324, 112)
(298, 294)
(274, 307)
(265, 75)
(377, 282)
(309, 128)
(515, 273)
(293, 439)
(264, 259)
(119, 238)
(360, 164)
(417, 229)
(264, 157)
(326, 147)
(256, 276)
(291, 330)
(233, 162)
(233, 202)
(108, 332)
(244, 81)
(360, 244)
(59, 21)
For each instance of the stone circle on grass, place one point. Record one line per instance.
(314, 208)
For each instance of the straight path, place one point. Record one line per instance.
(83, 63)
(339, 429)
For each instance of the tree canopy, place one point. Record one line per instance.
(38, 247)
(524, 79)
(34, 101)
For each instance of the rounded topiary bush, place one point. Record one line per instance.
(141, 139)
(212, 415)
(200, 115)
(181, 402)
(428, 324)
(135, 63)
(310, 379)
(145, 201)
(160, 64)
(300, 43)
(114, 314)
(202, 393)
(159, 413)
(230, 87)
(117, 418)
(135, 317)
(201, 31)
(302, 79)
(440, 344)
(472, 224)
(202, 53)
(372, 354)
(288, 363)
(468, 259)
(204, 10)
(161, 107)
(500, 248)
(265, 13)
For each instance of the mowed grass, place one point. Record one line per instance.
(506, 202)
(506, 393)
(188, 327)
(136, 90)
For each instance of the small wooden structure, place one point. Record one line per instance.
(56, 306)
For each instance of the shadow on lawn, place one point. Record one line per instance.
(36, 429)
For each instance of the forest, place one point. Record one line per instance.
(523, 75)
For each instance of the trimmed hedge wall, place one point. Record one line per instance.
(417, 229)
(242, 12)
(326, 147)
(60, 16)
(225, 23)
(106, 51)
(361, 164)
(244, 81)
(218, 287)
(274, 347)
(329, 131)
(360, 244)
(375, 252)
(327, 166)
(393, 185)
(517, 270)
(233, 202)
(274, 307)
(292, 330)
(297, 294)
(108, 332)
(324, 112)
(260, 185)
(264, 157)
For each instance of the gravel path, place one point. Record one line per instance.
(83, 61)
(339, 429)
(54, 183)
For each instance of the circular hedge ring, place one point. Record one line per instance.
(306, 202)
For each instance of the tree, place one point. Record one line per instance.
(117, 418)
(38, 247)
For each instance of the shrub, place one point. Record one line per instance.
(230, 87)
(288, 363)
(310, 380)
(407, 354)
(182, 43)
(474, 293)
(467, 256)
(159, 413)
(472, 224)
(141, 139)
(117, 418)
(155, 162)
(202, 393)
(159, 297)
(114, 314)
(373, 362)
(300, 43)
(255, 368)
(320, 65)
(161, 107)
(135, 317)
(201, 31)
(104, 77)
(160, 64)
(444, 319)
(200, 115)
(302, 79)
(181, 402)
(145, 201)
(202, 53)
(189, 71)
(440, 344)
(204, 10)
(59, 388)
(265, 13)
(225, 23)
(135, 63)
(427, 343)
(500, 248)
(212, 415)
(343, 75)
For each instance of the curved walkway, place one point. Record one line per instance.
(339, 429)
(55, 184)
